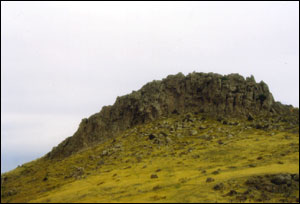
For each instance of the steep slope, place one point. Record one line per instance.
(213, 94)
(195, 138)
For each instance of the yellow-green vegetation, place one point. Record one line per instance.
(182, 158)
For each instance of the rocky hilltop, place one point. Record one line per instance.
(206, 93)
(200, 138)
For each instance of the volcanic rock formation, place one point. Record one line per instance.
(211, 94)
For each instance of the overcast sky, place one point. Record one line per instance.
(62, 61)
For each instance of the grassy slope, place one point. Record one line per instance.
(182, 163)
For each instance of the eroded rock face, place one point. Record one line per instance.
(212, 94)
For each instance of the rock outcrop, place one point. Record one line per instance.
(211, 94)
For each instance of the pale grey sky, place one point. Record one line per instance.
(62, 61)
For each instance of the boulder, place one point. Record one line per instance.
(193, 132)
(209, 179)
(219, 186)
(281, 179)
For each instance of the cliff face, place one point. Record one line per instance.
(211, 94)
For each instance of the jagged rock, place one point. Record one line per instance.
(210, 94)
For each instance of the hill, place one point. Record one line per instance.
(195, 138)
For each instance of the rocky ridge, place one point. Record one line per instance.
(206, 93)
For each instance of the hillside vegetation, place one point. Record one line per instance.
(189, 157)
